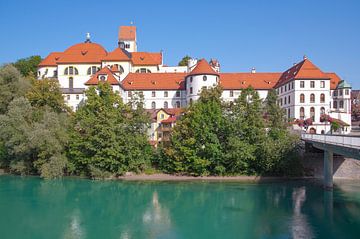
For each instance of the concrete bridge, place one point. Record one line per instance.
(348, 146)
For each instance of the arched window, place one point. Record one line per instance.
(341, 104)
(302, 113)
(312, 113)
(322, 110)
(142, 70)
(153, 105)
(71, 82)
(120, 68)
(177, 104)
(312, 98)
(71, 71)
(335, 104)
(302, 98)
(165, 105)
(322, 98)
(92, 70)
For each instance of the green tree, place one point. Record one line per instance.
(12, 85)
(34, 139)
(28, 66)
(196, 143)
(46, 92)
(107, 136)
(184, 61)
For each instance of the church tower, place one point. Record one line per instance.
(127, 38)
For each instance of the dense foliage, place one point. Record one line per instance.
(184, 61)
(227, 139)
(108, 137)
(28, 66)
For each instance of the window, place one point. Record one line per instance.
(302, 113)
(177, 93)
(341, 104)
(302, 84)
(302, 98)
(71, 83)
(322, 98)
(312, 98)
(165, 105)
(71, 71)
(335, 104)
(312, 113)
(322, 84)
(55, 73)
(142, 70)
(322, 110)
(166, 94)
(191, 90)
(281, 89)
(346, 92)
(204, 78)
(92, 70)
(292, 85)
(77, 97)
(162, 116)
(129, 93)
(285, 100)
(289, 99)
(177, 104)
(68, 97)
(340, 92)
(127, 45)
(289, 113)
(312, 84)
(281, 102)
(231, 93)
(335, 93)
(191, 101)
(153, 94)
(190, 79)
(153, 105)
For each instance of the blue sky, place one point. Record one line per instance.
(267, 34)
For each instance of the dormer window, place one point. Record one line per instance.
(142, 70)
(102, 77)
(204, 78)
(127, 45)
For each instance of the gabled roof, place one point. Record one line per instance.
(303, 70)
(127, 33)
(94, 80)
(171, 119)
(233, 81)
(117, 55)
(334, 80)
(154, 81)
(203, 68)
(83, 53)
(51, 59)
(146, 58)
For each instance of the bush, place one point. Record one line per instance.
(54, 168)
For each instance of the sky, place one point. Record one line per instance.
(269, 35)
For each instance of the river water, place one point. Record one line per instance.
(77, 208)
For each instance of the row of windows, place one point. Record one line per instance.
(204, 79)
(340, 92)
(284, 88)
(142, 70)
(312, 84)
(68, 97)
(312, 112)
(153, 94)
(285, 101)
(166, 105)
(341, 104)
(312, 98)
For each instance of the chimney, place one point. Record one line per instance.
(253, 70)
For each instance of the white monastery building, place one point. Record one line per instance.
(304, 90)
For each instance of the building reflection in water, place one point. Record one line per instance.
(74, 229)
(300, 228)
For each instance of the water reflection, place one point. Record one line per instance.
(300, 228)
(74, 229)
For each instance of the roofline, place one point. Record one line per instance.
(197, 74)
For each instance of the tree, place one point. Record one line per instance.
(196, 142)
(12, 85)
(34, 139)
(28, 66)
(275, 115)
(107, 136)
(184, 61)
(46, 92)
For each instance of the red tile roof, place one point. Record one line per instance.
(334, 80)
(203, 67)
(303, 70)
(146, 58)
(94, 80)
(117, 55)
(154, 81)
(232, 81)
(83, 53)
(127, 33)
(171, 119)
(51, 59)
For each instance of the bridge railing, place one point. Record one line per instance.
(342, 140)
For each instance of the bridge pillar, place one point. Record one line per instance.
(328, 169)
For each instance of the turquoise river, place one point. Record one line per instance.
(79, 208)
